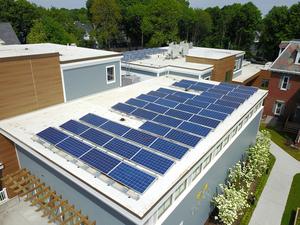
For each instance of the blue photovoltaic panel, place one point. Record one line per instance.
(188, 108)
(244, 91)
(156, 108)
(195, 128)
(169, 148)
(148, 98)
(132, 177)
(93, 119)
(136, 102)
(178, 114)
(223, 87)
(183, 95)
(166, 102)
(52, 135)
(205, 121)
(228, 84)
(155, 128)
(96, 136)
(167, 120)
(233, 99)
(124, 108)
(198, 88)
(74, 147)
(197, 103)
(165, 90)
(157, 94)
(100, 160)
(74, 127)
(248, 88)
(140, 137)
(213, 114)
(175, 98)
(153, 161)
(181, 84)
(144, 114)
(204, 99)
(115, 128)
(188, 82)
(214, 90)
(228, 103)
(221, 108)
(183, 137)
(211, 94)
(239, 95)
(122, 148)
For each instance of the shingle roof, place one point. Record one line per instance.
(286, 60)
(8, 35)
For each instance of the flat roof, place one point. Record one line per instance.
(213, 53)
(22, 130)
(248, 71)
(67, 53)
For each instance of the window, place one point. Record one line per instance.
(164, 207)
(264, 83)
(228, 76)
(110, 74)
(196, 172)
(206, 161)
(179, 190)
(284, 83)
(278, 108)
(237, 64)
(297, 60)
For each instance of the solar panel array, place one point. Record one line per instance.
(141, 54)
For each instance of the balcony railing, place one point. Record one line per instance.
(3, 196)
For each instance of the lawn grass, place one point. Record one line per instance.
(280, 139)
(293, 202)
(259, 188)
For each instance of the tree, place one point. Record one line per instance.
(202, 25)
(294, 21)
(106, 16)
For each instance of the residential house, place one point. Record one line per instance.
(8, 35)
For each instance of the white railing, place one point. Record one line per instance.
(3, 196)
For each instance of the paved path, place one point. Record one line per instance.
(272, 201)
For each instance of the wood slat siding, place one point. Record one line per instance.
(221, 66)
(9, 158)
(28, 84)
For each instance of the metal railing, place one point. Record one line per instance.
(3, 196)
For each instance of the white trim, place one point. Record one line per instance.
(280, 55)
(86, 63)
(63, 83)
(297, 60)
(120, 73)
(3, 196)
(276, 107)
(287, 83)
(114, 74)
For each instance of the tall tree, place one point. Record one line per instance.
(294, 21)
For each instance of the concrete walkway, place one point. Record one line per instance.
(273, 199)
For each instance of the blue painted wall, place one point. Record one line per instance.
(83, 81)
(195, 212)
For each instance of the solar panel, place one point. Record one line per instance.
(195, 128)
(74, 147)
(124, 108)
(132, 177)
(136, 102)
(169, 148)
(181, 85)
(228, 103)
(188, 108)
(228, 84)
(183, 137)
(215, 90)
(175, 98)
(144, 114)
(178, 114)
(148, 98)
(184, 95)
(204, 99)
(198, 88)
(197, 103)
(213, 114)
(156, 108)
(233, 99)
(167, 120)
(157, 94)
(115, 128)
(224, 87)
(166, 102)
(93, 119)
(205, 121)
(153, 161)
(165, 90)
(211, 94)
(239, 95)
(155, 128)
(100, 160)
(52, 135)
(188, 81)
(96, 136)
(74, 127)
(221, 108)
(122, 148)
(140, 137)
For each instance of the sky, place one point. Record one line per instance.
(263, 5)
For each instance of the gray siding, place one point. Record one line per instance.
(83, 81)
(195, 212)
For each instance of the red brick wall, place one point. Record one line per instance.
(276, 94)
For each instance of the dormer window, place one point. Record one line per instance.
(297, 61)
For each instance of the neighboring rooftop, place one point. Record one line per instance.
(67, 53)
(248, 72)
(8, 35)
(213, 53)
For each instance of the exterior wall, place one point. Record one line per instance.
(262, 75)
(9, 159)
(82, 200)
(184, 75)
(194, 210)
(138, 72)
(289, 96)
(29, 83)
(83, 81)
